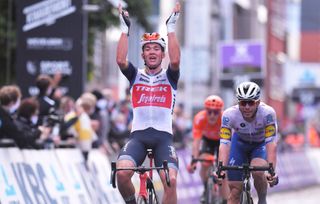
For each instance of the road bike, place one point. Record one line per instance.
(212, 192)
(245, 197)
(147, 193)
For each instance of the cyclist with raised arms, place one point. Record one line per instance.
(248, 135)
(206, 140)
(153, 92)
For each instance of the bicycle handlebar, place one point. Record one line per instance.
(139, 170)
(245, 167)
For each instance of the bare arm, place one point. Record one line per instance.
(224, 150)
(272, 153)
(122, 51)
(174, 51)
(195, 147)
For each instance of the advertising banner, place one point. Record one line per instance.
(241, 59)
(51, 39)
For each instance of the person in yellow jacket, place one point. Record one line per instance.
(84, 126)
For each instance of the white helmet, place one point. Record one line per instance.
(248, 91)
(153, 38)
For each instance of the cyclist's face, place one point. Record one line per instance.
(213, 115)
(248, 108)
(152, 55)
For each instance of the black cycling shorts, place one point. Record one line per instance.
(160, 142)
(209, 146)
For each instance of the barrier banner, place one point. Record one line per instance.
(72, 164)
(100, 168)
(43, 178)
(10, 161)
(291, 169)
(189, 186)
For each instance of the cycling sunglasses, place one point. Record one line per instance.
(244, 103)
(213, 111)
(150, 36)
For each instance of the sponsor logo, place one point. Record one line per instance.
(145, 80)
(144, 95)
(161, 80)
(242, 124)
(46, 13)
(270, 130)
(225, 120)
(269, 118)
(225, 133)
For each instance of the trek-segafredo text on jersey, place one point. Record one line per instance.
(262, 128)
(153, 98)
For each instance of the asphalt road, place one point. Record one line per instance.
(309, 195)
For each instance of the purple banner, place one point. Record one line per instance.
(241, 57)
(189, 186)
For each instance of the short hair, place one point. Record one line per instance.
(87, 101)
(43, 82)
(9, 94)
(28, 107)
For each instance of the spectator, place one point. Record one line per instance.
(48, 95)
(26, 122)
(121, 119)
(67, 111)
(84, 126)
(181, 126)
(102, 115)
(10, 97)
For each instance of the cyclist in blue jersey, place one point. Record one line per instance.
(153, 92)
(248, 134)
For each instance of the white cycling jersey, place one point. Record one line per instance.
(153, 98)
(262, 128)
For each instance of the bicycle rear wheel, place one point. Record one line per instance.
(141, 200)
(153, 198)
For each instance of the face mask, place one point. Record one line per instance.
(34, 119)
(14, 107)
(102, 103)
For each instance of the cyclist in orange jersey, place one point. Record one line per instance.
(205, 131)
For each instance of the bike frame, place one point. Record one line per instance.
(145, 178)
(146, 188)
(246, 169)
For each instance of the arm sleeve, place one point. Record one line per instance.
(130, 73)
(271, 128)
(173, 76)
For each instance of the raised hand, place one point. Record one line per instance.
(171, 21)
(124, 20)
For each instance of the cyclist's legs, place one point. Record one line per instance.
(238, 156)
(132, 154)
(260, 182)
(164, 150)
(207, 150)
(170, 193)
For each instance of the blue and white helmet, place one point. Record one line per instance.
(248, 91)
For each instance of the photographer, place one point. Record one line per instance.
(47, 99)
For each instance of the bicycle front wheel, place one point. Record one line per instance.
(212, 194)
(246, 198)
